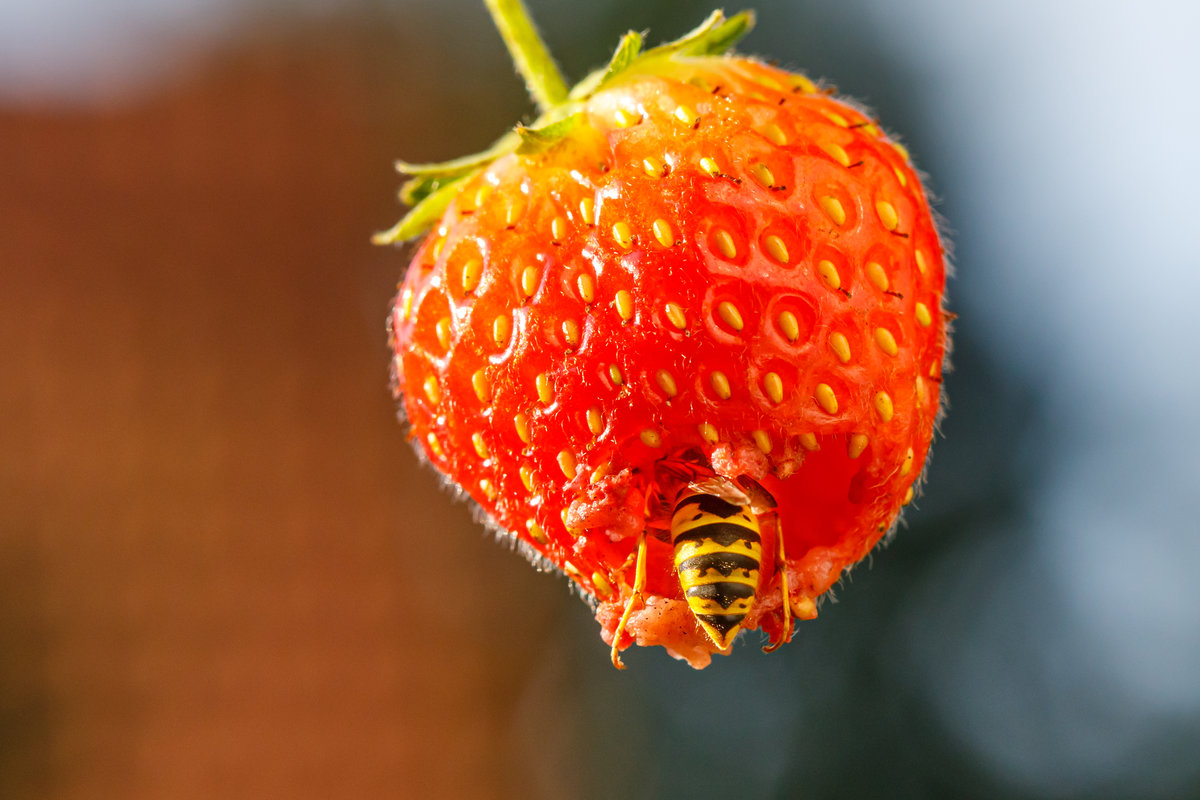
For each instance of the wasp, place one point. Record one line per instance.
(717, 539)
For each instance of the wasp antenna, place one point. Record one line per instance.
(639, 585)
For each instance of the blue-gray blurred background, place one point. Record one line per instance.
(224, 574)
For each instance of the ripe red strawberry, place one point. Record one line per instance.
(696, 266)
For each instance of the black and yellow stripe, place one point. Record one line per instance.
(718, 554)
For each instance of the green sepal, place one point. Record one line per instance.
(542, 138)
(423, 215)
(624, 57)
(710, 38)
(433, 186)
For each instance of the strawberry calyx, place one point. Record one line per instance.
(433, 186)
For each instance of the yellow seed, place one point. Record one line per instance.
(527, 477)
(488, 489)
(655, 167)
(443, 331)
(829, 274)
(887, 214)
(623, 235)
(837, 153)
(724, 242)
(886, 341)
(934, 368)
(624, 303)
(566, 462)
(545, 392)
(600, 473)
(500, 329)
(625, 118)
(471, 273)
(921, 261)
(512, 214)
(438, 246)
(789, 326)
(521, 423)
(708, 433)
(922, 392)
(883, 404)
(651, 438)
(710, 167)
(587, 211)
(907, 466)
(803, 84)
(901, 149)
(595, 420)
(858, 443)
(481, 448)
(572, 571)
(809, 441)
(730, 315)
(776, 248)
(570, 329)
(536, 533)
(835, 118)
(774, 134)
(900, 176)
(720, 385)
(762, 440)
(876, 275)
(481, 195)
(530, 276)
(840, 346)
(663, 233)
(603, 587)
(833, 209)
(435, 446)
(923, 316)
(676, 316)
(406, 300)
(432, 390)
(587, 287)
(479, 383)
(666, 382)
(686, 115)
(614, 375)
(826, 398)
(773, 386)
(908, 496)
(763, 174)
(558, 229)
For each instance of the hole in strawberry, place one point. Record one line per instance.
(433, 309)
(791, 319)
(732, 310)
(723, 231)
(839, 207)
(783, 241)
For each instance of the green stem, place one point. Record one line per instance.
(542, 78)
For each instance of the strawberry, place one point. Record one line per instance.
(694, 270)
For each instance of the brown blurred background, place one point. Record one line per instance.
(224, 573)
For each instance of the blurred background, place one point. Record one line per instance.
(224, 574)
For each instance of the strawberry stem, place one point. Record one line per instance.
(529, 53)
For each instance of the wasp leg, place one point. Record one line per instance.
(781, 565)
(639, 585)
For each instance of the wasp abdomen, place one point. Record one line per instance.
(718, 553)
